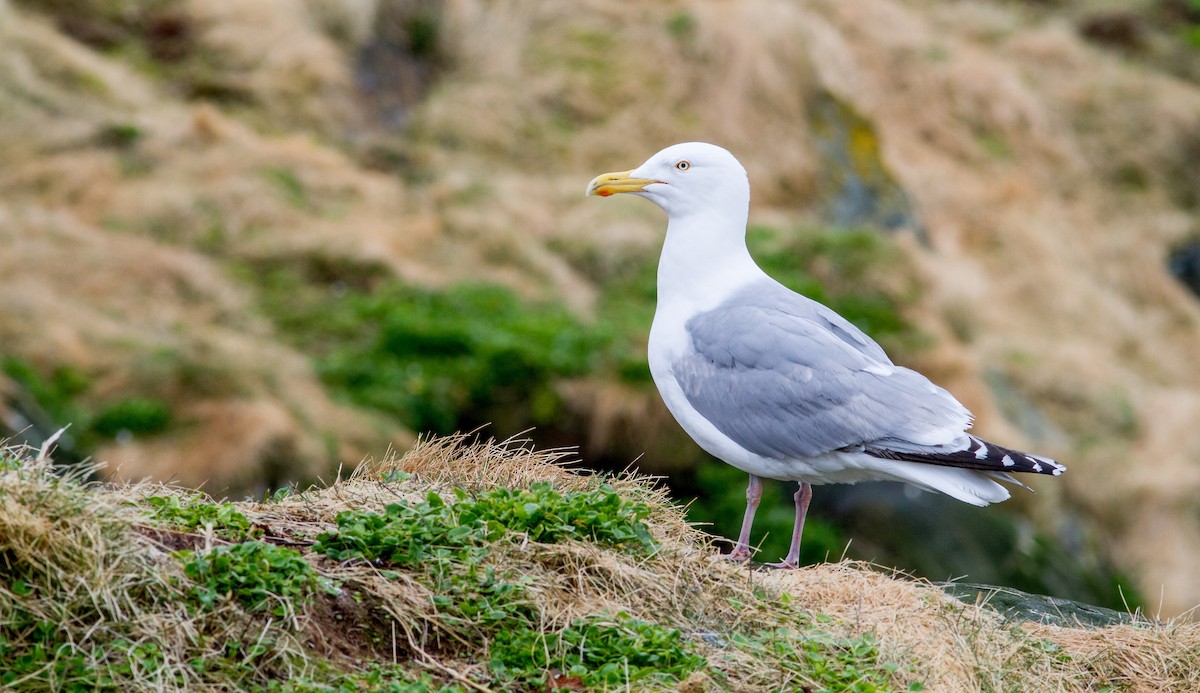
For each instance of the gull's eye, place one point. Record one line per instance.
(683, 166)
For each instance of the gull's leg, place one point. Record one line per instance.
(741, 550)
(802, 497)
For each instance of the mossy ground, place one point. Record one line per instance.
(480, 566)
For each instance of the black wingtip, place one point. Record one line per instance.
(982, 455)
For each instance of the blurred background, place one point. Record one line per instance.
(247, 243)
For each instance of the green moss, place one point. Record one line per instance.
(854, 182)
(1190, 35)
(1130, 175)
(994, 145)
(289, 185)
(430, 357)
(61, 395)
(86, 81)
(448, 543)
(681, 25)
(121, 135)
(137, 415)
(936, 53)
(57, 393)
(437, 361)
(423, 31)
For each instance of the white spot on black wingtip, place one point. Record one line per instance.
(1007, 460)
(981, 453)
(1037, 466)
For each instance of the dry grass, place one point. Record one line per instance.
(93, 561)
(90, 599)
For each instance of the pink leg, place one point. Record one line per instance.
(741, 550)
(802, 497)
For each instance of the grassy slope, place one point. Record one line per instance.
(480, 566)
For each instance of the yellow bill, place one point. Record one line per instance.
(607, 184)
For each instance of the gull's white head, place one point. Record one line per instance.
(683, 179)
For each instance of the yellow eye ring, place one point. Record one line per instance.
(683, 165)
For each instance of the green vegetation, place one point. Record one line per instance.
(441, 539)
(57, 393)
(410, 535)
(423, 30)
(1189, 28)
(122, 135)
(450, 546)
(200, 513)
(289, 185)
(137, 415)
(597, 653)
(681, 25)
(438, 361)
(467, 581)
(837, 663)
(43, 655)
(994, 145)
(62, 396)
(260, 576)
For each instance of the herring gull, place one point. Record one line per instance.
(776, 384)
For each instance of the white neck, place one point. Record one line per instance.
(702, 261)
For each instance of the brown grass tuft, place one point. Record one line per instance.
(93, 560)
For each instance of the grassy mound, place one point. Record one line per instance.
(481, 566)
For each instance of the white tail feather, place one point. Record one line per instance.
(966, 485)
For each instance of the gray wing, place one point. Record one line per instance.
(784, 376)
